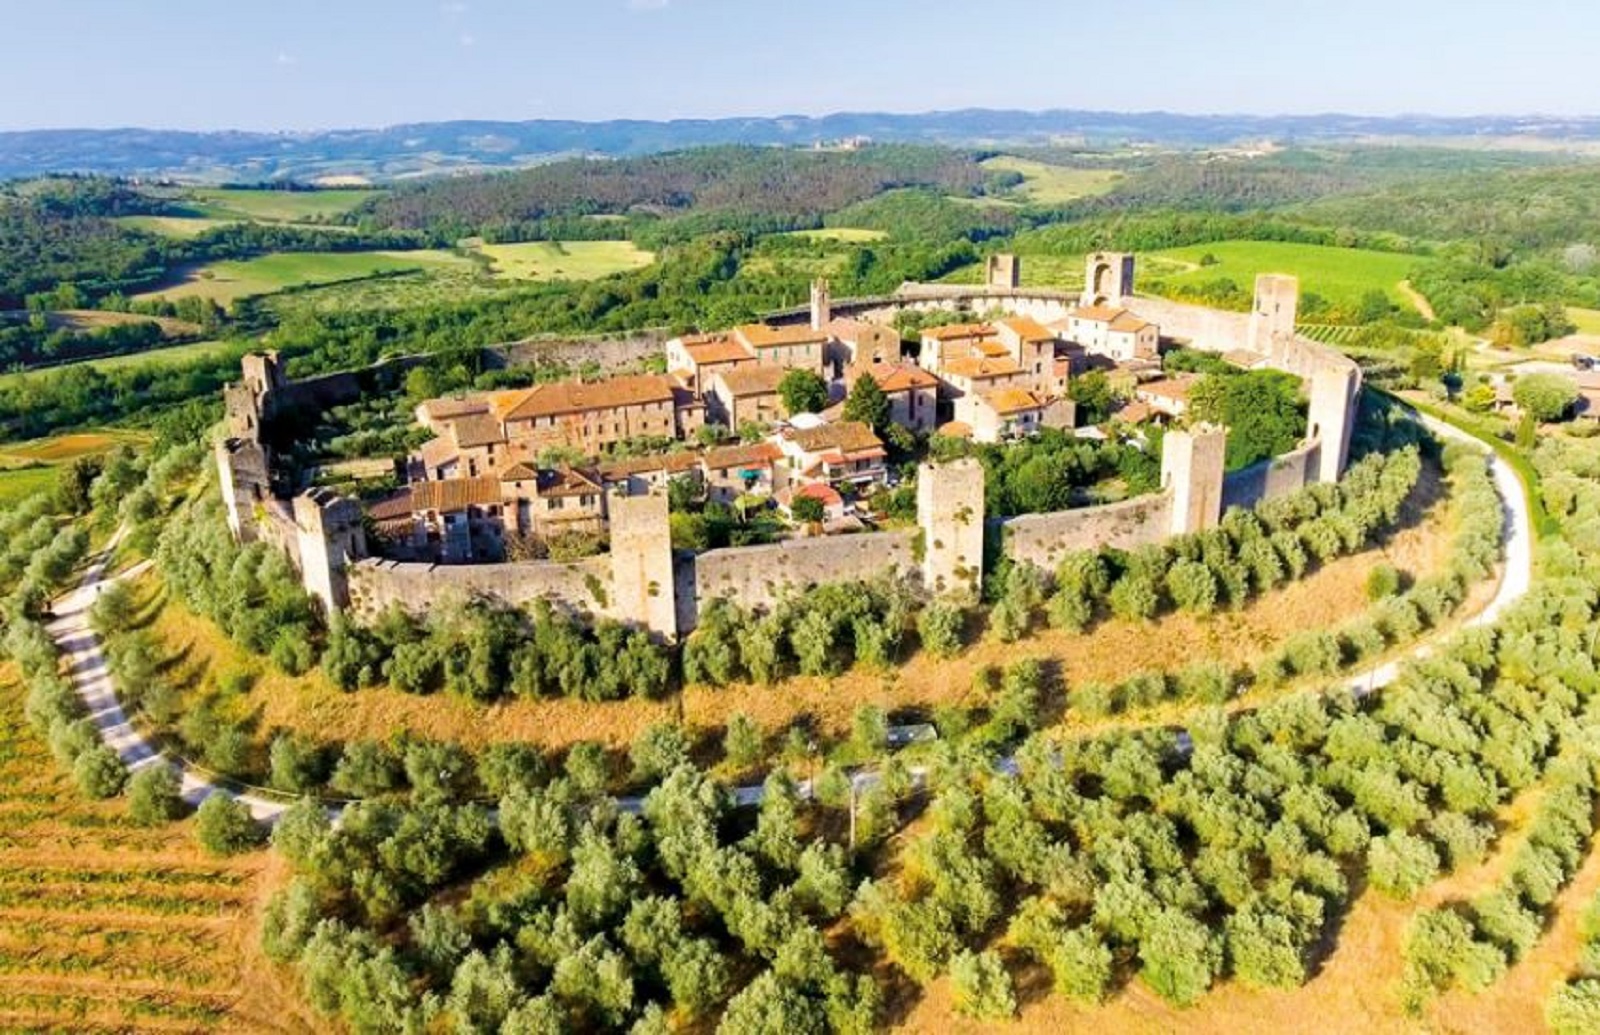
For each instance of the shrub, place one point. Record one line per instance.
(1545, 397)
(225, 827)
(99, 772)
(1401, 864)
(1574, 1009)
(942, 628)
(155, 795)
(1192, 586)
(981, 986)
(660, 749)
(1383, 580)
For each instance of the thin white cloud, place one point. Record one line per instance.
(285, 58)
(648, 5)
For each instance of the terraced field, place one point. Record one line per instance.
(108, 926)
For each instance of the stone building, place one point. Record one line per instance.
(745, 395)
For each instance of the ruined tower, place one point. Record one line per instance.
(1192, 467)
(950, 508)
(1107, 279)
(1002, 272)
(243, 476)
(1272, 320)
(330, 536)
(642, 584)
(821, 304)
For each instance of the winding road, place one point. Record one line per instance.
(76, 639)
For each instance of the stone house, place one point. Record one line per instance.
(745, 394)
(1117, 334)
(695, 359)
(791, 348)
(1002, 414)
(596, 415)
(913, 393)
(842, 452)
(744, 470)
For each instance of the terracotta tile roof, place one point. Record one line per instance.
(520, 473)
(1097, 313)
(722, 349)
(479, 429)
(978, 368)
(954, 331)
(1028, 329)
(1167, 388)
(758, 454)
(1012, 400)
(824, 493)
(752, 380)
(436, 452)
(393, 507)
(1133, 413)
(561, 397)
(992, 349)
(900, 377)
(760, 336)
(846, 329)
(1128, 323)
(670, 463)
(848, 436)
(453, 494)
(450, 409)
(955, 429)
(567, 481)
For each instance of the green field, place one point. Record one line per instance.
(273, 206)
(565, 260)
(1340, 275)
(1587, 320)
(171, 356)
(181, 227)
(1046, 184)
(226, 282)
(30, 467)
(846, 234)
(1038, 271)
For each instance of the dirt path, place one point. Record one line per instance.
(1417, 299)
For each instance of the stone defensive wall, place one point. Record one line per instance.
(1271, 478)
(642, 581)
(760, 576)
(1044, 539)
(580, 587)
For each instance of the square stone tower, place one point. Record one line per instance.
(821, 304)
(1002, 272)
(1332, 415)
(330, 535)
(643, 589)
(950, 505)
(1192, 466)
(1272, 320)
(1107, 278)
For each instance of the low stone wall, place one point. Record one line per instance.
(1271, 478)
(581, 587)
(612, 354)
(760, 576)
(1044, 539)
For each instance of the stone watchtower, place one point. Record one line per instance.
(1332, 415)
(330, 536)
(821, 305)
(1107, 278)
(1193, 463)
(1272, 320)
(950, 504)
(248, 401)
(643, 588)
(1002, 272)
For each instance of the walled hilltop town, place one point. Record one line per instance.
(507, 466)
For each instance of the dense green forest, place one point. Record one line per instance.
(672, 196)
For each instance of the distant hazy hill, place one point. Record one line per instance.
(398, 152)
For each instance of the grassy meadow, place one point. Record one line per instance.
(1045, 184)
(1341, 275)
(171, 356)
(842, 234)
(227, 282)
(273, 206)
(565, 260)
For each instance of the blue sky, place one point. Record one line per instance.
(306, 64)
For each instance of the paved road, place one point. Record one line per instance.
(91, 677)
(77, 641)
